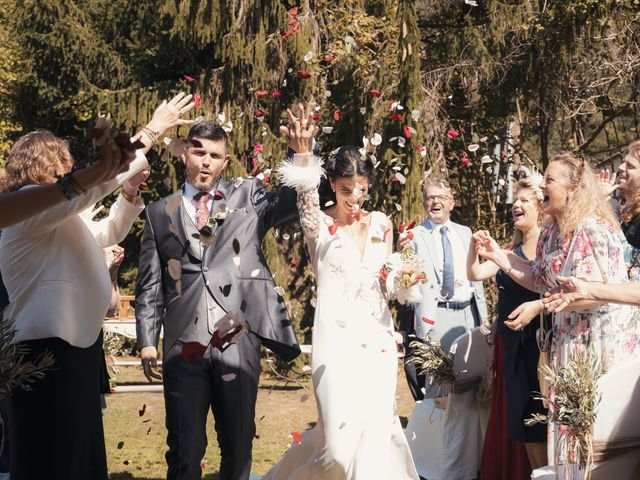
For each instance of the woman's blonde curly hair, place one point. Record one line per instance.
(586, 199)
(533, 185)
(37, 158)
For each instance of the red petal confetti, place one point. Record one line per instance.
(411, 225)
(428, 320)
(202, 465)
(333, 227)
(192, 350)
(303, 74)
(296, 26)
(276, 94)
(292, 21)
(375, 93)
(218, 195)
(384, 273)
(197, 100)
(406, 131)
(294, 262)
(336, 114)
(258, 148)
(395, 179)
(395, 116)
(188, 78)
(142, 410)
(329, 58)
(410, 235)
(262, 93)
(265, 179)
(401, 228)
(293, 12)
(315, 117)
(296, 437)
(464, 159)
(259, 113)
(451, 133)
(286, 34)
(254, 162)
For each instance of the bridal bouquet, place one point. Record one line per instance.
(573, 401)
(402, 274)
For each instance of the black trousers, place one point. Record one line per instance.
(225, 382)
(56, 428)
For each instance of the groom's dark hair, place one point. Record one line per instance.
(211, 131)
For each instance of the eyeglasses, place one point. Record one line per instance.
(431, 198)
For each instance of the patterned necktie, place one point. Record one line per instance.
(202, 211)
(448, 276)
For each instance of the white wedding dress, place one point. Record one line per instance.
(358, 435)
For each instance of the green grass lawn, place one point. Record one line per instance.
(136, 443)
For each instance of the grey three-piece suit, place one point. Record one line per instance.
(228, 276)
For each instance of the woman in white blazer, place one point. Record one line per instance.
(59, 290)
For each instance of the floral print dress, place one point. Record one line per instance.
(594, 252)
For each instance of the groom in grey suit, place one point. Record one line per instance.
(201, 263)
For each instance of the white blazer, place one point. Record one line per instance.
(54, 270)
(424, 244)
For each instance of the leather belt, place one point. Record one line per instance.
(454, 305)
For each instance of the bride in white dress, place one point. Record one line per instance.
(358, 435)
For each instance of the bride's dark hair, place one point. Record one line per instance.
(346, 162)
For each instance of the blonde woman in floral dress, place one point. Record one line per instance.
(582, 238)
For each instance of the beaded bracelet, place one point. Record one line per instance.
(70, 186)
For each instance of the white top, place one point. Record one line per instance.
(54, 270)
(463, 290)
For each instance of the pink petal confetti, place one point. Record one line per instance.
(188, 78)
(451, 133)
(229, 377)
(174, 266)
(336, 114)
(375, 93)
(262, 93)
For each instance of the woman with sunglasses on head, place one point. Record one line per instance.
(581, 237)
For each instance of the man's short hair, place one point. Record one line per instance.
(211, 131)
(435, 182)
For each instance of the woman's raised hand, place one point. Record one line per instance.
(170, 114)
(300, 130)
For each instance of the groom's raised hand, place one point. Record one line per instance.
(300, 130)
(149, 359)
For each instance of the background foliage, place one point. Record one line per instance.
(474, 89)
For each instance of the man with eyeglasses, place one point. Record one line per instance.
(451, 305)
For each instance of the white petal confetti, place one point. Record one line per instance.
(402, 142)
(279, 291)
(306, 368)
(313, 302)
(236, 261)
(376, 140)
(486, 159)
(286, 237)
(327, 93)
(327, 130)
(398, 207)
(401, 178)
(415, 114)
(254, 273)
(308, 56)
(473, 147)
(329, 203)
(363, 110)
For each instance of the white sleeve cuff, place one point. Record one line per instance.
(303, 173)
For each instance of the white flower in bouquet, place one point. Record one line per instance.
(402, 274)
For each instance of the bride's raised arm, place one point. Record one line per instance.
(304, 171)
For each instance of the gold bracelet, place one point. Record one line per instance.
(132, 199)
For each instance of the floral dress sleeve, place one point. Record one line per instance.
(597, 254)
(304, 174)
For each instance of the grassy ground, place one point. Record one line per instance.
(135, 433)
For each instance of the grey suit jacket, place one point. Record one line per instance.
(246, 289)
(425, 246)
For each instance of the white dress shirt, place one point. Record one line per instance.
(463, 290)
(54, 270)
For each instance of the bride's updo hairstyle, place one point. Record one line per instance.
(346, 162)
